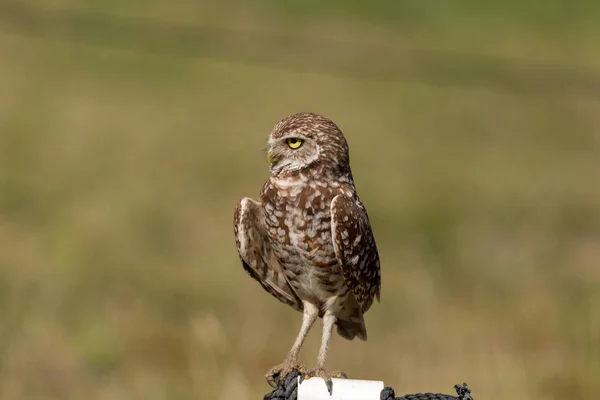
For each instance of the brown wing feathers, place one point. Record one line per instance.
(355, 249)
(257, 259)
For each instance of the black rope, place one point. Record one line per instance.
(287, 389)
(464, 393)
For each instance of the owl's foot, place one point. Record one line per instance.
(281, 371)
(325, 375)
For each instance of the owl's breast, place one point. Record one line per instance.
(299, 226)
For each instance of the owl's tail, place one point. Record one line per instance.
(350, 322)
(351, 329)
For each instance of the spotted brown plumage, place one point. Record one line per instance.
(308, 242)
(355, 249)
(258, 259)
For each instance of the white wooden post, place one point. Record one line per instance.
(343, 389)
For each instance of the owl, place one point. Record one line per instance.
(308, 240)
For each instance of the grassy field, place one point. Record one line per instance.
(129, 131)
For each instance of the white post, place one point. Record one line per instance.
(343, 389)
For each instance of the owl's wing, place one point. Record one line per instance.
(256, 255)
(355, 249)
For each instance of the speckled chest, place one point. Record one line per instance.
(298, 222)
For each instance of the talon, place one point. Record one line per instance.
(326, 376)
(272, 382)
(304, 376)
(329, 384)
(281, 371)
(339, 375)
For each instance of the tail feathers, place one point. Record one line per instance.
(351, 329)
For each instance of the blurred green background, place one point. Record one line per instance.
(129, 130)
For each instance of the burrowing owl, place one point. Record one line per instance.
(308, 241)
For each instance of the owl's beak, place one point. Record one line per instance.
(271, 158)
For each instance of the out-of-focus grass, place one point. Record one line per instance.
(119, 171)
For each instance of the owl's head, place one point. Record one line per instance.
(307, 140)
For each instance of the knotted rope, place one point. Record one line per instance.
(287, 389)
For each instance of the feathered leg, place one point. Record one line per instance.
(321, 370)
(309, 316)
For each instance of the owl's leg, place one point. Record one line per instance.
(321, 370)
(309, 316)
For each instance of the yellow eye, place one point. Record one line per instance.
(294, 143)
